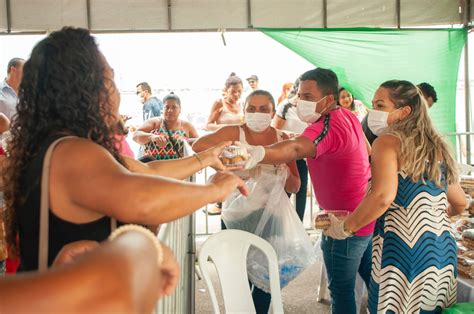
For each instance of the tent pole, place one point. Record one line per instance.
(88, 8)
(325, 13)
(399, 8)
(249, 14)
(169, 14)
(9, 16)
(467, 18)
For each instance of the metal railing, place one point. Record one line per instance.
(461, 141)
(179, 236)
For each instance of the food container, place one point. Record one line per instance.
(234, 155)
(321, 219)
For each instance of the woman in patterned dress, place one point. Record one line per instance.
(164, 138)
(414, 190)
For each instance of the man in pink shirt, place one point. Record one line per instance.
(335, 147)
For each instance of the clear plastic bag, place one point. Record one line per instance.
(268, 213)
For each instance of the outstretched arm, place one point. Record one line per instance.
(179, 168)
(293, 149)
(120, 276)
(103, 186)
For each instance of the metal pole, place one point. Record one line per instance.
(249, 14)
(169, 14)
(9, 16)
(192, 258)
(88, 8)
(325, 13)
(398, 14)
(467, 95)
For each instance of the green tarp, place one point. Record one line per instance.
(363, 58)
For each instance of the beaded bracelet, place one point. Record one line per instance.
(143, 230)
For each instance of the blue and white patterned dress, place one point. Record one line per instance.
(414, 258)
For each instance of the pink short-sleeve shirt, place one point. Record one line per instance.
(340, 170)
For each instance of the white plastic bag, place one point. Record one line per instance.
(268, 213)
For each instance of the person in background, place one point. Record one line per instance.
(346, 100)
(285, 91)
(259, 110)
(121, 136)
(253, 82)
(90, 184)
(226, 111)
(9, 87)
(414, 190)
(429, 93)
(338, 163)
(286, 119)
(118, 276)
(164, 138)
(372, 128)
(152, 106)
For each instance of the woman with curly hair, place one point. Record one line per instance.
(68, 89)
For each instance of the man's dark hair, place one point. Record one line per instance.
(14, 63)
(428, 91)
(326, 79)
(145, 86)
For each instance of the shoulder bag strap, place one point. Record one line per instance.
(43, 247)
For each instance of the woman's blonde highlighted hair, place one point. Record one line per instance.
(422, 147)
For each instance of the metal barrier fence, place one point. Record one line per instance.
(462, 145)
(179, 236)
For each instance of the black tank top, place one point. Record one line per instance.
(61, 232)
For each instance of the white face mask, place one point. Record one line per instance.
(306, 110)
(257, 121)
(377, 121)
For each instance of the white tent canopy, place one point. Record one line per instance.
(30, 16)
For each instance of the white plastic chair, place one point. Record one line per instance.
(228, 251)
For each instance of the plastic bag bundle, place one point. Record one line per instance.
(268, 213)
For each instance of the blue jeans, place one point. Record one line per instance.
(344, 259)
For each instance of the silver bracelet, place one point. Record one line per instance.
(145, 231)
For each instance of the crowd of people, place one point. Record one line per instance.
(389, 168)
